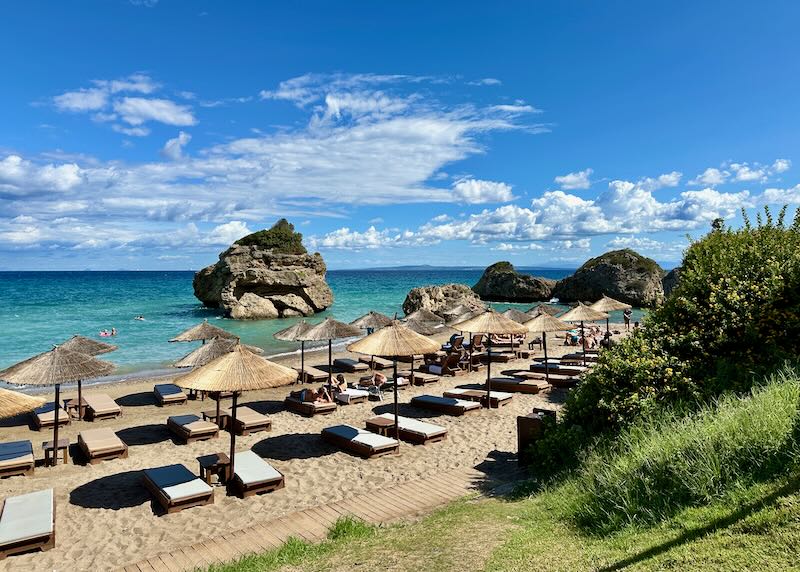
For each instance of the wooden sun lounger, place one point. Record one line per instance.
(45, 416)
(419, 377)
(190, 428)
(27, 522)
(411, 430)
(497, 399)
(16, 458)
(312, 374)
(351, 396)
(101, 406)
(498, 356)
(376, 362)
(248, 420)
(253, 475)
(389, 385)
(530, 386)
(169, 394)
(559, 369)
(175, 488)
(350, 365)
(446, 405)
(360, 442)
(578, 357)
(101, 444)
(308, 409)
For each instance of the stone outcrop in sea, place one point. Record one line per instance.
(502, 283)
(439, 299)
(267, 274)
(622, 274)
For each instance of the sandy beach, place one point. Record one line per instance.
(104, 515)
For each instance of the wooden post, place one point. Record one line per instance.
(232, 429)
(302, 361)
(55, 428)
(80, 400)
(396, 409)
(489, 371)
(330, 367)
(583, 343)
(546, 363)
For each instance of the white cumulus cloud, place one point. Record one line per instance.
(475, 191)
(574, 181)
(173, 148)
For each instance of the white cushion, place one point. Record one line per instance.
(494, 394)
(449, 401)
(414, 425)
(251, 468)
(27, 516)
(361, 436)
(350, 393)
(177, 482)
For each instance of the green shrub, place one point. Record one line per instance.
(280, 238)
(657, 467)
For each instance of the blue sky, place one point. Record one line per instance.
(149, 135)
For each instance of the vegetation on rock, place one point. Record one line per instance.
(281, 238)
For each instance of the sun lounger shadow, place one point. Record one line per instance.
(144, 434)
(137, 399)
(406, 410)
(121, 490)
(293, 446)
(500, 473)
(17, 421)
(266, 407)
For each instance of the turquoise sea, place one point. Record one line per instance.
(40, 309)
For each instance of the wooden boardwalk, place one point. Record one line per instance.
(408, 500)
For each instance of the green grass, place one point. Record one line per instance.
(717, 490)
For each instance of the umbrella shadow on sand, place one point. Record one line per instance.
(293, 446)
(121, 490)
(140, 399)
(405, 410)
(144, 434)
(265, 407)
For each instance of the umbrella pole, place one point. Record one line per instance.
(219, 398)
(608, 329)
(302, 361)
(232, 429)
(80, 400)
(583, 343)
(330, 366)
(489, 371)
(54, 459)
(546, 363)
(396, 413)
(411, 376)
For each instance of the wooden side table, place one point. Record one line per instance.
(75, 409)
(380, 425)
(51, 453)
(215, 464)
(211, 415)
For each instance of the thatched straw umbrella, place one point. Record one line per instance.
(86, 346)
(606, 304)
(425, 315)
(372, 321)
(546, 323)
(424, 328)
(393, 341)
(236, 371)
(294, 334)
(14, 403)
(211, 351)
(490, 322)
(330, 329)
(202, 332)
(55, 367)
(460, 313)
(517, 316)
(546, 308)
(582, 313)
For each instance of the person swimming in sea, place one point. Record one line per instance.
(140, 318)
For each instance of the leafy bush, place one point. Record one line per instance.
(733, 317)
(280, 238)
(658, 467)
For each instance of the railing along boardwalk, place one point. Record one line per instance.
(407, 500)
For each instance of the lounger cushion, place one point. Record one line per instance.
(252, 469)
(193, 424)
(347, 395)
(447, 401)
(415, 426)
(15, 453)
(351, 364)
(246, 415)
(27, 516)
(493, 394)
(169, 391)
(314, 372)
(47, 413)
(102, 440)
(177, 482)
(102, 403)
(361, 436)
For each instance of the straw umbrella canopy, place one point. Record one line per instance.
(394, 341)
(546, 323)
(13, 403)
(607, 304)
(236, 371)
(211, 351)
(425, 315)
(424, 328)
(371, 321)
(460, 313)
(517, 316)
(55, 367)
(490, 322)
(202, 332)
(547, 308)
(330, 329)
(86, 346)
(583, 313)
(295, 334)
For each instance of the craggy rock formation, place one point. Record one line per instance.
(438, 299)
(501, 283)
(266, 275)
(622, 274)
(670, 281)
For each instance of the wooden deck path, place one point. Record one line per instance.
(407, 500)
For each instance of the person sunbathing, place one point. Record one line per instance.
(340, 385)
(377, 380)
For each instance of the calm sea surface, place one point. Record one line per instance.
(40, 309)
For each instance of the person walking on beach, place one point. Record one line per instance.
(626, 316)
